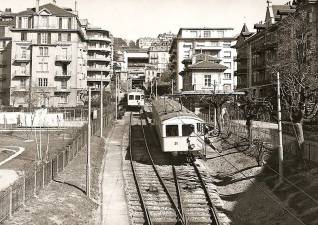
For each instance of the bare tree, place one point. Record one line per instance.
(295, 60)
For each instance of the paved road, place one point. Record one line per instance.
(114, 206)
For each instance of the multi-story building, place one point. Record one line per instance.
(216, 42)
(146, 42)
(99, 57)
(159, 57)
(48, 61)
(138, 60)
(7, 21)
(256, 51)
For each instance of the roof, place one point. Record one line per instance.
(168, 109)
(277, 8)
(207, 65)
(54, 9)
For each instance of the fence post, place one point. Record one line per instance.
(43, 175)
(23, 190)
(10, 201)
(34, 190)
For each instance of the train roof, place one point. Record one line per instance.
(168, 108)
(136, 91)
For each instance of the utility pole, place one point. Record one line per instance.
(215, 122)
(101, 106)
(172, 86)
(88, 156)
(116, 100)
(156, 88)
(280, 133)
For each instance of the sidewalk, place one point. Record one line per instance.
(114, 206)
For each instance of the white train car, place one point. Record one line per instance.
(136, 98)
(179, 129)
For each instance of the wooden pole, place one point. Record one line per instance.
(280, 133)
(88, 158)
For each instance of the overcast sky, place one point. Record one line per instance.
(132, 19)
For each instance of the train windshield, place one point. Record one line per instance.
(172, 131)
(142, 97)
(187, 130)
(131, 97)
(137, 97)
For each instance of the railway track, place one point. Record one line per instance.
(166, 192)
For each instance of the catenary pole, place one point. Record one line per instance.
(88, 158)
(116, 100)
(101, 107)
(280, 132)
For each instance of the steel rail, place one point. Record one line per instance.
(142, 202)
(179, 214)
(213, 213)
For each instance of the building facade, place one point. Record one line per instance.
(99, 58)
(257, 51)
(216, 42)
(48, 62)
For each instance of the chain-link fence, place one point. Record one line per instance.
(39, 176)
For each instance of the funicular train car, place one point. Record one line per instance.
(135, 98)
(179, 130)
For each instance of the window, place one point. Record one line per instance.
(23, 83)
(64, 23)
(43, 67)
(44, 38)
(69, 37)
(69, 23)
(227, 87)
(207, 33)
(194, 33)
(172, 131)
(137, 97)
(24, 22)
(220, 33)
(44, 51)
(207, 80)
(227, 54)
(60, 23)
(63, 99)
(228, 65)
(42, 82)
(227, 76)
(187, 129)
(64, 84)
(59, 37)
(24, 36)
(227, 44)
(24, 53)
(23, 68)
(44, 21)
(131, 97)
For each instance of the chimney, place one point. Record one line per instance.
(54, 2)
(37, 6)
(75, 6)
(8, 10)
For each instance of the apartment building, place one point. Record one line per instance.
(48, 62)
(7, 21)
(159, 57)
(256, 51)
(145, 42)
(215, 42)
(138, 60)
(99, 58)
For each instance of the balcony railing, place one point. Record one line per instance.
(64, 58)
(99, 58)
(20, 88)
(47, 26)
(22, 58)
(99, 48)
(19, 73)
(61, 75)
(97, 78)
(101, 68)
(62, 89)
(99, 38)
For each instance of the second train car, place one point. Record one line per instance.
(136, 98)
(179, 130)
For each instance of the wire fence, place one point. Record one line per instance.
(41, 174)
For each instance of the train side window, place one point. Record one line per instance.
(172, 130)
(131, 97)
(137, 97)
(187, 129)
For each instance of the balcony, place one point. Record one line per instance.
(18, 73)
(20, 88)
(204, 47)
(99, 58)
(61, 75)
(22, 58)
(63, 58)
(98, 78)
(100, 68)
(99, 48)
(99, 38)
(62, 90)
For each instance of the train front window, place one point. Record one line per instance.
(131, 97)
(172, 130)
(142, 97)
(187, 129)
(137, 97)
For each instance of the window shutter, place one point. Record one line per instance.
(29, 22)
(49, 38)
(60, 23)
(59, 37)
(69, 37)
(20, 22)
(39, 38)
(69, 23)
